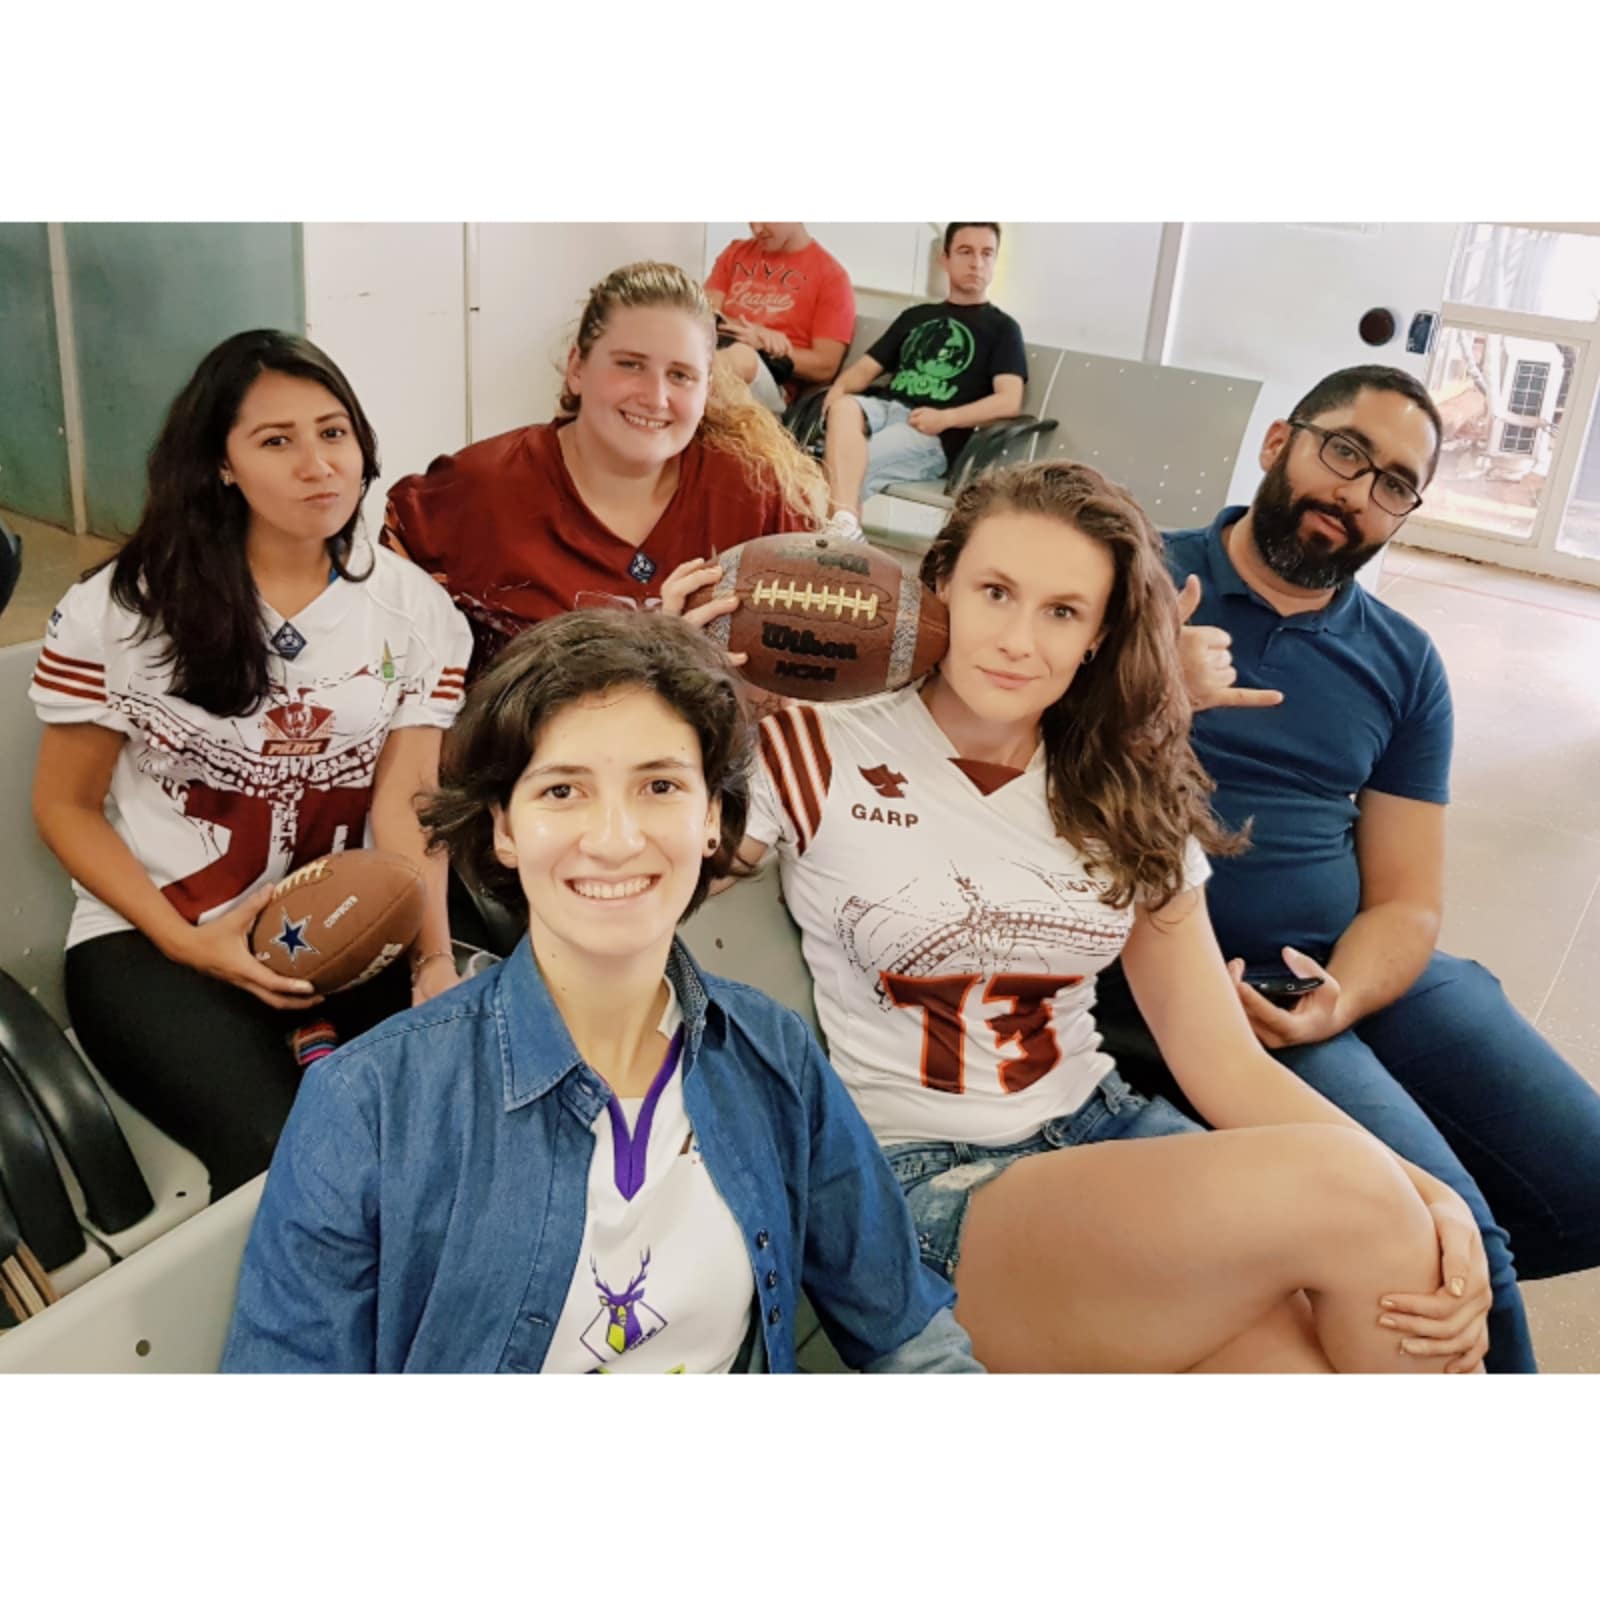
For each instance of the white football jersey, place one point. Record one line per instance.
(212, 806)
(664, 1282)
(952, 936)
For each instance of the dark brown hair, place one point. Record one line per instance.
(184, 571)
(1340, 388)
(951, 229)
(550, 667)
(1124, 785)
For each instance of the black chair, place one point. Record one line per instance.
(1125, 1038)
(29, 1181)
(10, 563)
(480, 922)
(40, 1056)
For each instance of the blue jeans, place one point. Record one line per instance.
(896, 452)
(1453, 1077)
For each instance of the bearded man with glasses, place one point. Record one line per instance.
(1324, 717)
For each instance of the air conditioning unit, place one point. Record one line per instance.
(1524, 407)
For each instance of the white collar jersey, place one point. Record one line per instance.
(663, 1282)
(952, 936)
(214, 806)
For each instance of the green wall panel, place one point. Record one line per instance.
(148, 300)
(33, 445)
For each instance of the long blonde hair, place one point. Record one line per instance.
(733, 422)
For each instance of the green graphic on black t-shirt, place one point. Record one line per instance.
(934, 356)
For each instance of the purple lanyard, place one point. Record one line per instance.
(629, 1151)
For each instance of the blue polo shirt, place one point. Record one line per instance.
(1365, 706)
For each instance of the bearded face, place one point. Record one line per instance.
(1306, 557)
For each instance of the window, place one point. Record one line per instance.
(1527, 388)
(1502, 267)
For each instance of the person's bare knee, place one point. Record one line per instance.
(740, 360)
(846, 419)
(1373, 1235)
(1368, 1197)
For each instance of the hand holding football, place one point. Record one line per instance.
(341, 919)
(825, 619)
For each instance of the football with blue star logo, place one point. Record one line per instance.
(341, 919)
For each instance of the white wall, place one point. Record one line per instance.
(1085, 285)
(1275, 301)
(385, 300)
(1280, 301)
(1080, 285)
(532, 281)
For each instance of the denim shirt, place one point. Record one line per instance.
(425, 1208)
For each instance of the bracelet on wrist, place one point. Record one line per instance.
(438, 955)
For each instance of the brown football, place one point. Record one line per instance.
(826, 619)
(340, 919)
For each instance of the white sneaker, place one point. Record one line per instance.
(843, 525)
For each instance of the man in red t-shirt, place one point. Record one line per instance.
(785, 308)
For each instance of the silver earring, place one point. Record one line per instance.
(1090, 654)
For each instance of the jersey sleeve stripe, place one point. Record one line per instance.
(51, 685)
(777, 769)
(90, 680)
(57, 660)
(791, 736)
(808, 746)
(818, 744)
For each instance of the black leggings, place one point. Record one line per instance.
(207, 1063)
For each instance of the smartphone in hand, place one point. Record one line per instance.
(1279, 985)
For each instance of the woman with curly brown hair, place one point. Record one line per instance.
(656, 462)
(962, 858)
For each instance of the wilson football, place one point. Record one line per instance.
(340, 919)
(825, 619)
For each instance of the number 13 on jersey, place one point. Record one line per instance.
(1028, 1024)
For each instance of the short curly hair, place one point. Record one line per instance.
(552, 666)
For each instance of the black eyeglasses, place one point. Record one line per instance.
(1341, 455)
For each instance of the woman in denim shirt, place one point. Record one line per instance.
(594, 1157)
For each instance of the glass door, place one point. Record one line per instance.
(1514, 374)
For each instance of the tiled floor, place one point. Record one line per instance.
(52, 562)
(1523, 887)
(1523, 873)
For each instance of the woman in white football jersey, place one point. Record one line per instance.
(248, 684)
(962, 857)
(594, 1157)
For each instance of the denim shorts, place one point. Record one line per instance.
(939, 1179)
(896, 452)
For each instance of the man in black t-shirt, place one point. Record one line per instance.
(953, 365)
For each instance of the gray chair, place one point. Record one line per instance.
(128, 1183)
(1169, 435)
(746, 933)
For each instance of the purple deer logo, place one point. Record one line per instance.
(624, 1331)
